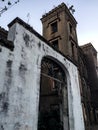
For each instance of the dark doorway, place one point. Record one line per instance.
(51, 103)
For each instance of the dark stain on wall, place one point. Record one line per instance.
(22, 67)
(37, 60)
(26, 38)
(39, 45)
(1, 127)
(2, 100)
(47, 49)
(3, 103)
(43, 47)
(17, 126)
(4, 96)
(9, 71)
(28, 41)
(64, 59)
(23, 53)
(5, 106)
(11, 54)
(22, 72)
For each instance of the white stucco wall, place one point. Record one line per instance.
(20, 82)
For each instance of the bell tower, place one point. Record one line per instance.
(59, 28)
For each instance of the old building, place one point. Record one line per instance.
(47, 82)
(59, 28)
(89, 79)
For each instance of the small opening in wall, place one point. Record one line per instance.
(55, 44)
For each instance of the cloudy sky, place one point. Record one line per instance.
(86, 14)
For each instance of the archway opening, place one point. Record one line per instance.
(53, 103)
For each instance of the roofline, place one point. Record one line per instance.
(58, 7)
(88, 45)
(29, 28)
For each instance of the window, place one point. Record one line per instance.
(54, 27)
(55, 44)
(73, 52)
(70, 28)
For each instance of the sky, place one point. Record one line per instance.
(86, 15)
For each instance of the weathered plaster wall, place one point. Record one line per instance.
(20, 82)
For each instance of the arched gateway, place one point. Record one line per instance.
(53, 103)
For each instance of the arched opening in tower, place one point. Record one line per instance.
(53, 104)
